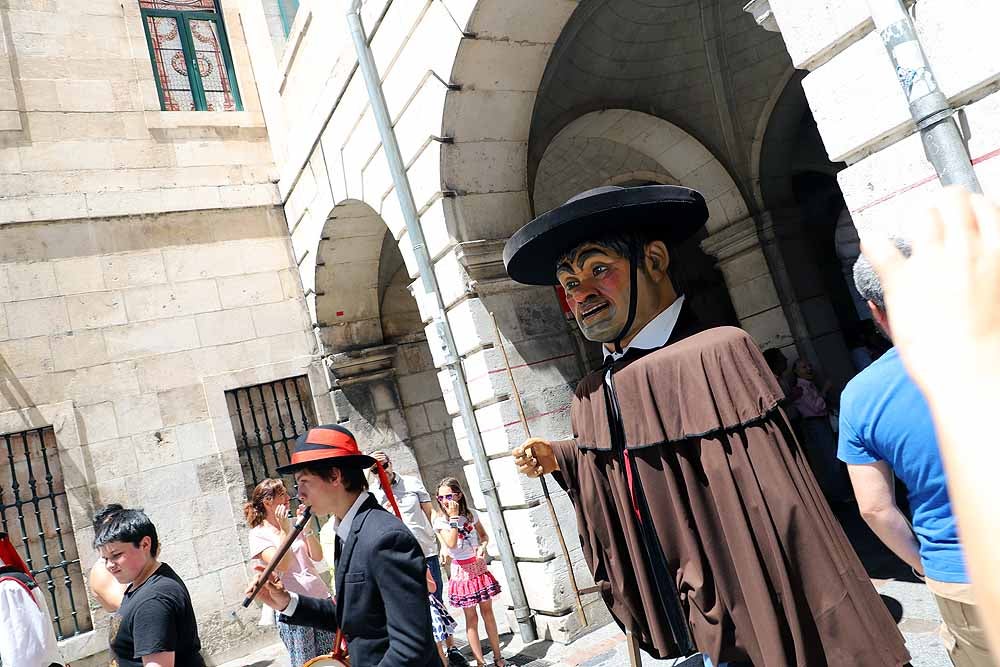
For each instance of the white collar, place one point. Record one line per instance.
(655, 334)
(343, 526)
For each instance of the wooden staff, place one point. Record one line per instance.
(541, 478)
(300, 523)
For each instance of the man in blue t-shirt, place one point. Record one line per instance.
(886, 428)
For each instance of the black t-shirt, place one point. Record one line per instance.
(157, 617)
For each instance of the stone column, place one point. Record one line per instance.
(758, 292)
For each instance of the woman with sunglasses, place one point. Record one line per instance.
(267, 515)
(471, 585)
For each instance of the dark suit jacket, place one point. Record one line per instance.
(382, 605)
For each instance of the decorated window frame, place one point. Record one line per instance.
(180, 33)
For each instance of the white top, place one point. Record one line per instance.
(409, 493)
(468, 537)
(343, 526)
(655, 334)
(27, 638)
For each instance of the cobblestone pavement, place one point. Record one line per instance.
(907, 599)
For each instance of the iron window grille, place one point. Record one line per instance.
(189, 52)
(267, 418)
(35, 515)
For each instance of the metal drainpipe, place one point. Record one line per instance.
(428, 280)
(931, 111)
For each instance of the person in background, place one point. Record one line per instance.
(415, 510)
(886, 428)
(471, 586)
(267, 515)
(381, 604)
(26, 635)
(943, 306)
(820, 442)
(158, 626)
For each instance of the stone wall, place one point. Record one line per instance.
(81, 131)
(124, 334)
(860, 108)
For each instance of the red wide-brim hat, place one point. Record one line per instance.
(668, 212)
(327, 444)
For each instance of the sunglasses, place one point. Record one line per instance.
(450, 496)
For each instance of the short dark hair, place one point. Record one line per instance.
(352, 478)
(126, 525)
(106, 513)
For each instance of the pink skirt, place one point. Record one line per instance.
(471, 583)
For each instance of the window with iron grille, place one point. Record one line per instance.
(266, 419)
(189, 50)
(35, 515)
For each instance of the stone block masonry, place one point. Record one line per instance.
(130, 339)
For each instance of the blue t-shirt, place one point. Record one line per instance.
(884, 417)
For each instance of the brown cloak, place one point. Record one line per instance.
(763, 570)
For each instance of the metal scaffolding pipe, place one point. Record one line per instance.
(441, 327)
(931, 111)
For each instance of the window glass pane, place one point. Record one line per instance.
(179, 5)
(212, 66)
(171, 68)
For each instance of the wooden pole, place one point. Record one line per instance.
(545, 489)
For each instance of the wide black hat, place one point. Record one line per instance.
(330, 443)
(669, 212)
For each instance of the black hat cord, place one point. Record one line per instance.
(635, 249)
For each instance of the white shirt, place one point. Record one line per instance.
(27, 638)
(343, 529)
(410, 493)
(654, 335)
(343, 526)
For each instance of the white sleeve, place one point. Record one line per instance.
(26, 628)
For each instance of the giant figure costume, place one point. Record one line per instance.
(698, 514)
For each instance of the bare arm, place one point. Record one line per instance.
(267, 555)
(428, 510)
(875, 491)
(159, 659)
(484, 539)
(313, 545)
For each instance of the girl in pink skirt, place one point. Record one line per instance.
(471, 585)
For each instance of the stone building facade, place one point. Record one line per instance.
(505, 108)
(162, 270)
(145, 276)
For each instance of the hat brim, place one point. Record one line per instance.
(362, 461)
(668, 212)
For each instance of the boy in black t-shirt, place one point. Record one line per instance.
(157, 624)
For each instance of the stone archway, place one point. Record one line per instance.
(599, 146)
(802, 205)
(384, 384)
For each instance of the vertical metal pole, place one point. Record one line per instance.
(432, 300)
(930, 109)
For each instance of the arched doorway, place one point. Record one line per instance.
(385, 385)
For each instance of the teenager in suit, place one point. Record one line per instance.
(381, 605)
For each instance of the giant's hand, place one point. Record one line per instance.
(535, 458)
(944, 301)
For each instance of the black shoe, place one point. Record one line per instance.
(456, 659)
